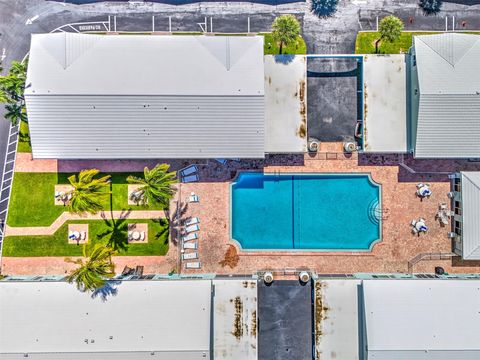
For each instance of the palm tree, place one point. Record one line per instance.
(87, 193)
(94, 270)
(156, 185)
(390, 29)
(15, 113)
(116, 232)
(13, 84)
(285, 30)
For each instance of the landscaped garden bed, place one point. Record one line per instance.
(32, 198)
(58, 245)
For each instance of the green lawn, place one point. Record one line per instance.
(365, 43)
(271, 47)
(32, 198)
(57, 244)
(24, 139)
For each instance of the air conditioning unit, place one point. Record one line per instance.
(268, 277)
(349, 147)
(313, 145)
(304, 277)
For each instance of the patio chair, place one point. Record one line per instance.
(127, 270)
(83, 235)
(413, 223)
(442, 206)
(193, 265)
(142, 235)
(192, 221)
(193, 198)
(129, 234)
(192, 228)
(451, 194)
(189, 170)
(190, 256)
(193, 245)
(190, 178)
(139, 270)
(420, 185)
(70, 235)
(190, 237)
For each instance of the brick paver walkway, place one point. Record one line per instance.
(50, 230)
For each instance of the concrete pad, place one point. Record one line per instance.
(139, 228)
(62, 189)
(80, 228)
(385, 104)
(285, 104)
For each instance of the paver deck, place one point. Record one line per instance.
(392, 254)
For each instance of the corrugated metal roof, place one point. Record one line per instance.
(86, 64)
(449, 87)
(422, 319)
(102, 127)
(471, 215)
(164, 317)
(138, 97)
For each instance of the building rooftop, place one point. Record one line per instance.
(168, 318)
(448, 124)
(471, 215)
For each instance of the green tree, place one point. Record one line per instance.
(285, 30)
(390, 29)
(12, 86)
(88, 193)
(94, 270)
(156, 186)
(15, 113)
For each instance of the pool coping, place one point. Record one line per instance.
(306, 251)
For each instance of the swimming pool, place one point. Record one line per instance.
(305, 211)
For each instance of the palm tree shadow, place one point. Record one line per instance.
(116, 233)
(175, 218)
(109, 289)
(165, 228)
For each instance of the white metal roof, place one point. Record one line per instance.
(471, 215)
(449, 86)
(87, 64)
(235, 319)
(422, 319)
(168, 318)
(145, 96)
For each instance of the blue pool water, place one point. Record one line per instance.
(311, 211)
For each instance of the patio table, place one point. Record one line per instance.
(135, 235)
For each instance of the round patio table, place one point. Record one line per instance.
(135, 235)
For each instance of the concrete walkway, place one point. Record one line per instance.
(66, 216)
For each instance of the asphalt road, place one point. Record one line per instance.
(20, 18)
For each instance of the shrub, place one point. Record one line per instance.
(430, 7)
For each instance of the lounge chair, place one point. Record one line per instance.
(190, 178)
(192, 245)
(127, 271)
(192, 228)
(190, 256)
(190, 237)
(193, 199)
(139, 270)
(189, 170)
(192, 221)
(193, 265)
(142, 235)
(221, 161)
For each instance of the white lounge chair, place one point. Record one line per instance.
(190, 237)
(190, 178)
(192, 245)
(142, 236)
(190, 256)
(192, 221)
(189, 170)
(192, 228)
(193, 198)
(193, 265)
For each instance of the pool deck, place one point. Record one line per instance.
(392, 254)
